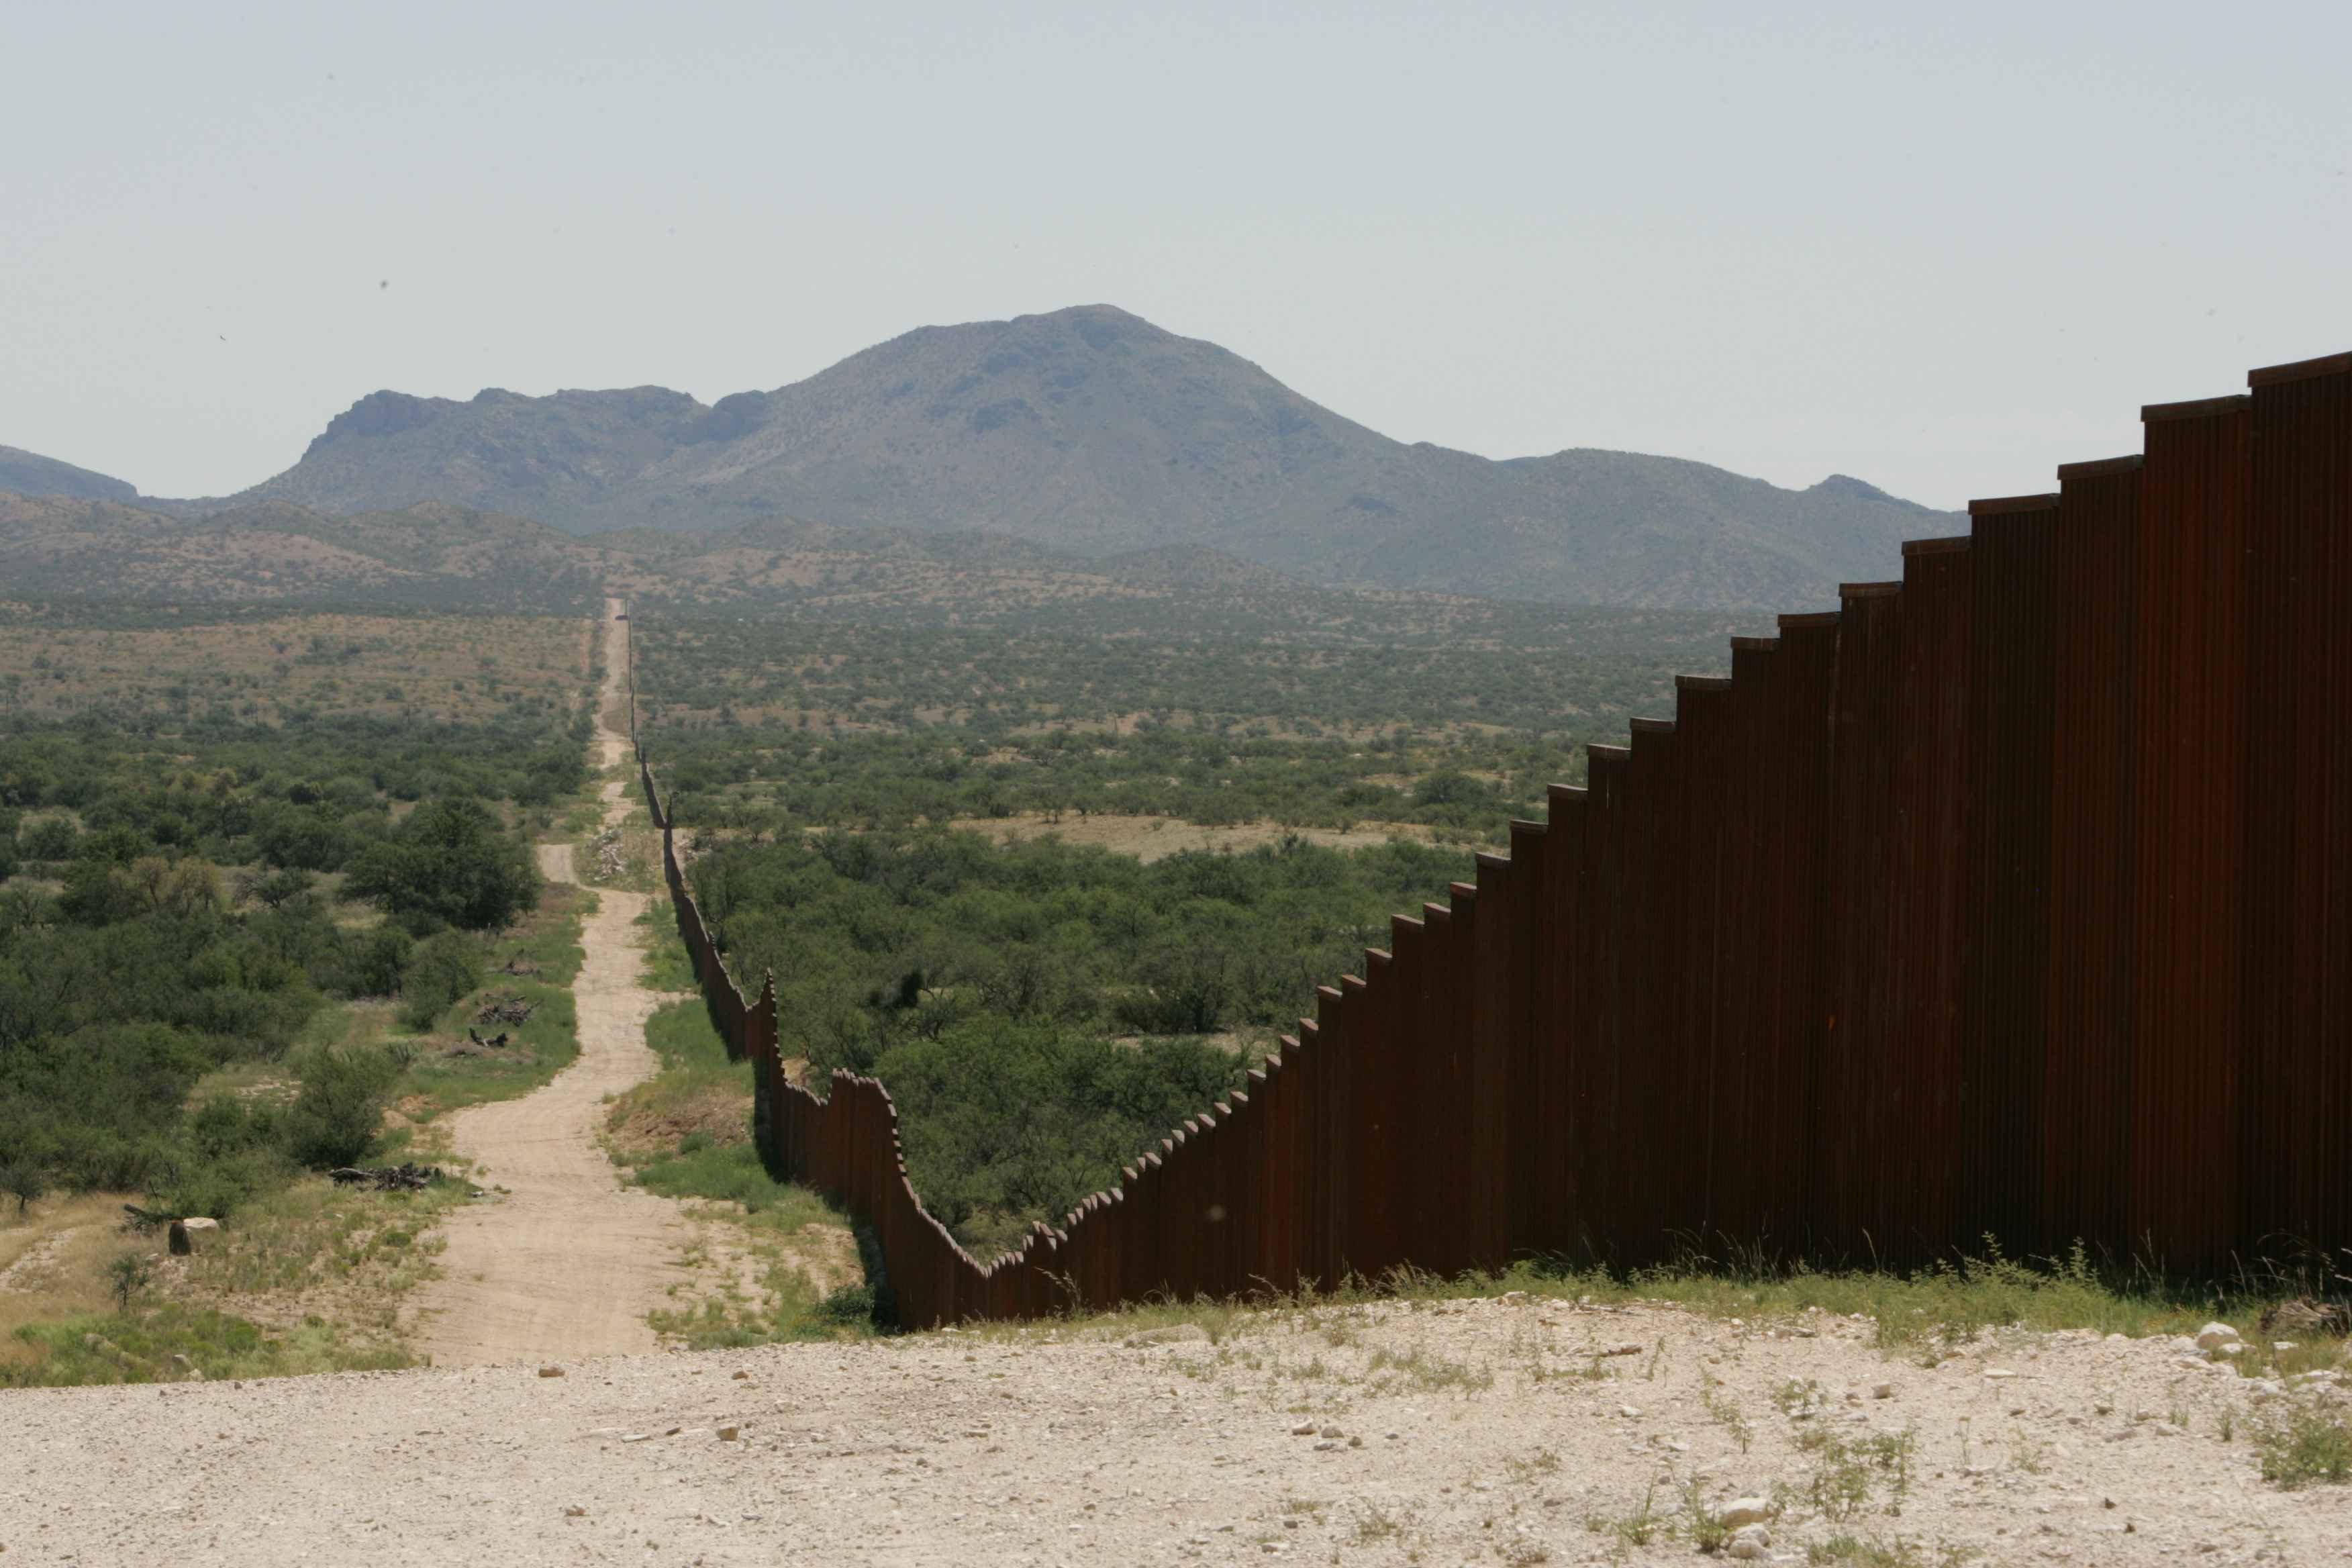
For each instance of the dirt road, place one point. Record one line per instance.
(568, 1262)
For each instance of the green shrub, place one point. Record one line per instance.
(441, 969)
(335, 1118)
(49, 839)
(449, 863)
(376, 963)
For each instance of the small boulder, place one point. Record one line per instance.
(1751, 1545)
(2213, 1336)
(1742, 1511)
(550, 1370)
(1172, 1335)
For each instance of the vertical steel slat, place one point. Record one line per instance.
(1559, 1055)
(1654, 1120)
(1483, 912)
(1603, 1153)
(1846, 1179)
(1372, 1010)
(2189, 793)
(1335, 1133)
(1529, 939)
(2088, 1074)
(1920, 1072)
(1714, 1099)
(2006, 939)
(1804, 718)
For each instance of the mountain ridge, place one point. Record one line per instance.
(1093, 431)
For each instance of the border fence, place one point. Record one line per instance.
(2012, 898)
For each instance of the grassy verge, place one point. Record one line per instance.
(772, 1261)
(666, 965)
(535, 963)
(175, 1344)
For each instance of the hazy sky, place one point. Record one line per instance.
(1941, 254)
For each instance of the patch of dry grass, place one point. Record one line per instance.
(53, 1261)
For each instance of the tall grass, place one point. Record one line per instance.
(163, 1345)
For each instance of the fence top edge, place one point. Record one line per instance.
(1994, 505)
(1946, 544)
(2198, 407)
(2102, 467)
(2300, 370)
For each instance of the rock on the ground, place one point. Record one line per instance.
(1172, 1335)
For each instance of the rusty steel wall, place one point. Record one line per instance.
(2011, 899)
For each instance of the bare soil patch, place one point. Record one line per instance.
(1485, 1432)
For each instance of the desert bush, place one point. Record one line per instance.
(337, 1115)
(449, 863)
(440, 970)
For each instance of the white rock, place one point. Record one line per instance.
(1746, 1510)
(2213, 1335)
(2232, 1348)
(1749, 1544)
(1884, 1391)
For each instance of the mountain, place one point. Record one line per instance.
(30, 474)
(1091, 430)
